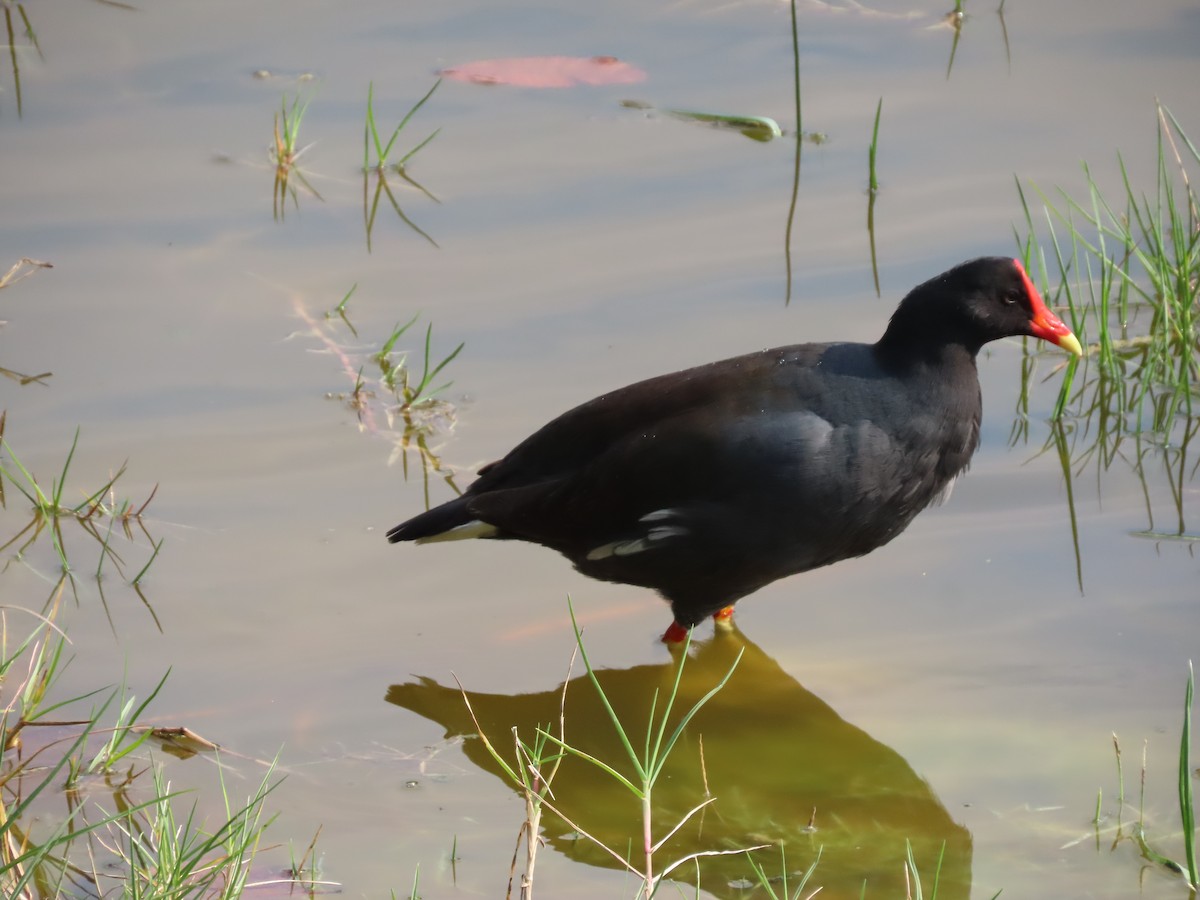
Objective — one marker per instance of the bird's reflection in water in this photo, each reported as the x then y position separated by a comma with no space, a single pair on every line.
772,753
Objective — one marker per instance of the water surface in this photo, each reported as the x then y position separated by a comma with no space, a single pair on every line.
581,246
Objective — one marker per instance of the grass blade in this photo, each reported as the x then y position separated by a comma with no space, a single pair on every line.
1187,811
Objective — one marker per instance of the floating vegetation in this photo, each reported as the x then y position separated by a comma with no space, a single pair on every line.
1128,274
387,396
765,880
295,77
758,128
22,269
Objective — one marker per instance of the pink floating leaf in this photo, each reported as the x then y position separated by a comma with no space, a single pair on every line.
547,71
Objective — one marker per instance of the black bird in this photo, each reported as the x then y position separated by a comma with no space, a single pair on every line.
708,484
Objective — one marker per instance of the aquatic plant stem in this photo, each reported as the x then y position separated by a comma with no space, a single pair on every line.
791,216
648,841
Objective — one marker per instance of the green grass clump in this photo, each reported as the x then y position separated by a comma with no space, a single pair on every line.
382,165
371,137
98,515
61,755
1130,280
287,138
399,378
1127,273
164,852
85,807
386,395
146,845
286,153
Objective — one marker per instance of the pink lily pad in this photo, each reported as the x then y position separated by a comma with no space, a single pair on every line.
547,71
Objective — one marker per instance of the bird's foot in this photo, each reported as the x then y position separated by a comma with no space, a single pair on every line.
723,619
676,634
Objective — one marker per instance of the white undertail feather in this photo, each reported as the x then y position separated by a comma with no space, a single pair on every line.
658,515
473,529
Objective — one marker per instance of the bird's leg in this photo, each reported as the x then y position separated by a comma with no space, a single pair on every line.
676,634
723,618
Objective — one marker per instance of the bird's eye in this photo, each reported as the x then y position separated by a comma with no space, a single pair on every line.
1012,299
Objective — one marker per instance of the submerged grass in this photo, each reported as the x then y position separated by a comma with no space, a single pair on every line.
766,881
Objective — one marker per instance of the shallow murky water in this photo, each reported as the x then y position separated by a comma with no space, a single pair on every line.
955,686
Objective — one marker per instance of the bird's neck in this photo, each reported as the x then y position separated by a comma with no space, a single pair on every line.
906,352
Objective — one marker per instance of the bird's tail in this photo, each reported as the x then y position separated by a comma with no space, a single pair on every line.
449,522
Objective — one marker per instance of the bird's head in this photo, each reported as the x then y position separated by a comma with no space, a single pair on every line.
976,302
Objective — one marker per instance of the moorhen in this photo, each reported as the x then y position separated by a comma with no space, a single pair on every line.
708,484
